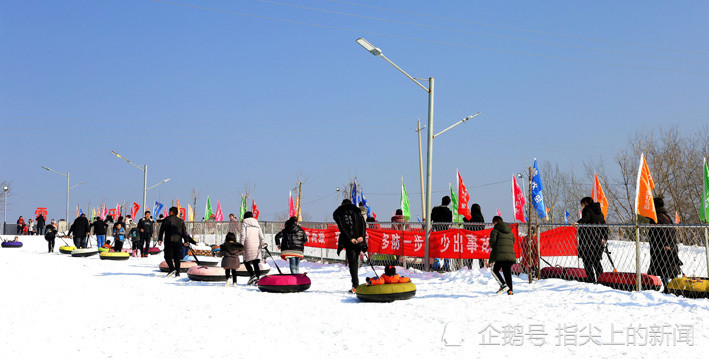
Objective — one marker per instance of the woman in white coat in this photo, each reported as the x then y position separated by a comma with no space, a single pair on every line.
253,240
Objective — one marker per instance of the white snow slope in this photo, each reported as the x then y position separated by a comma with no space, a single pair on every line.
56,306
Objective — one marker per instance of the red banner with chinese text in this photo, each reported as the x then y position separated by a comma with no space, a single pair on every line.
559,241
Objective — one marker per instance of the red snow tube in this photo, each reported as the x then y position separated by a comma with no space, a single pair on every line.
206,274
184,266
154,250
284,283
517,269
578,274
12,244
627,281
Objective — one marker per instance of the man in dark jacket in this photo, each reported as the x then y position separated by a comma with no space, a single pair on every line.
100,227
442,214
145,229
173,231
664,259
81,230
591,238
353,231
41,222
502,243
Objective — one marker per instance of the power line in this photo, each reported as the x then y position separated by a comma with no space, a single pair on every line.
480,33
432,41
523,29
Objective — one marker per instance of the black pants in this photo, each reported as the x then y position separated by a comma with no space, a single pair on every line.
593,269
50,245
40,228
117,246
145,243
506,270
173,255
252,267
231,272
352,256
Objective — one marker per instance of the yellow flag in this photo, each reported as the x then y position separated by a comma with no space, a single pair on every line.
190,213
644,204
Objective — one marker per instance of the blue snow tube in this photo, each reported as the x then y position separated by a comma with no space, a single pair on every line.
12,244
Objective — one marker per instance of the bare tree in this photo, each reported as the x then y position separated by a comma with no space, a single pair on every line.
195,198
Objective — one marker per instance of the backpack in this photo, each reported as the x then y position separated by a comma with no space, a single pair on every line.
50,235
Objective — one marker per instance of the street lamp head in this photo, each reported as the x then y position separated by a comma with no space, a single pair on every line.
519,175
5,188
369,47
116,154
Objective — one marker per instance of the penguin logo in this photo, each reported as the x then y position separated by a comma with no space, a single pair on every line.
453,334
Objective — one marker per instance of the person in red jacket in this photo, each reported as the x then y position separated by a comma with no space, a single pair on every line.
20,225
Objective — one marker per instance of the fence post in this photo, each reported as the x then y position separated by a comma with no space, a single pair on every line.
539,253
706,245
638,286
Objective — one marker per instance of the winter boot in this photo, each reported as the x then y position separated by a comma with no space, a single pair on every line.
502,289
228,282
256,279
172,273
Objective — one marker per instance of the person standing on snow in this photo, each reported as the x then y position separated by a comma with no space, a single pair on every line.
291,242
353,231
173,231
591,238
50,236
81,230
253,240
502,243
41,222
145,229
664,259
20,225
100,227
230,250
233,224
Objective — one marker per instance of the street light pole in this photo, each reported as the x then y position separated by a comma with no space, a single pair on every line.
68,188
144,168
4,212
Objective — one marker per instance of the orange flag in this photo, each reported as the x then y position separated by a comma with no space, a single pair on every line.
644,204
676,217
600,197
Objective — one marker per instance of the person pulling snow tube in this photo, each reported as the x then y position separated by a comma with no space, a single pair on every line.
284,283
66,249
12,244
206,274
114,256
386,288
184,266
689,287
154,250
84,252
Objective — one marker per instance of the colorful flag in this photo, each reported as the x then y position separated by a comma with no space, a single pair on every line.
463,199
158,208
77,211
104,212
366,204
537,196
134,210
599,196
644,204
704,206
354,194
190,213
219,216
457,218
118,211
499,214
677,217
566,217
179,207
518,201
242,207
208,210
254,209
291,206
404,201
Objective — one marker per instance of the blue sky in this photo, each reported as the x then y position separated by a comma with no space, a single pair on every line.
222,94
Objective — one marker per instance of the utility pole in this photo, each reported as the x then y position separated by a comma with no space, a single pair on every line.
423,200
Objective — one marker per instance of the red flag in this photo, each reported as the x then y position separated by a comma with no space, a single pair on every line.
518,201
463,198
134,210
291,207
498,213
254,209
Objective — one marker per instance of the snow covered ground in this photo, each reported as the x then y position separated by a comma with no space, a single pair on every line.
56,306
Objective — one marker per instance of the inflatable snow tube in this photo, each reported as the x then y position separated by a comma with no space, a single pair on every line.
689,287
184,266
114,256
102,249
204,260
386,292
264,268
12,244
206,274
284,283
84,252
285,254
558,272
154,250
66,249
627,281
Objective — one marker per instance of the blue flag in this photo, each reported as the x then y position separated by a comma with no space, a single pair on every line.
158,208
354,194
537,196
369,209
566,217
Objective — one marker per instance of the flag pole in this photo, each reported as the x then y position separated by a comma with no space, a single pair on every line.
529,225
706,215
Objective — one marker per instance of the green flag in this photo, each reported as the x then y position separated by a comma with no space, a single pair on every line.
242,208
454,202
208,210
704,207
405,207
